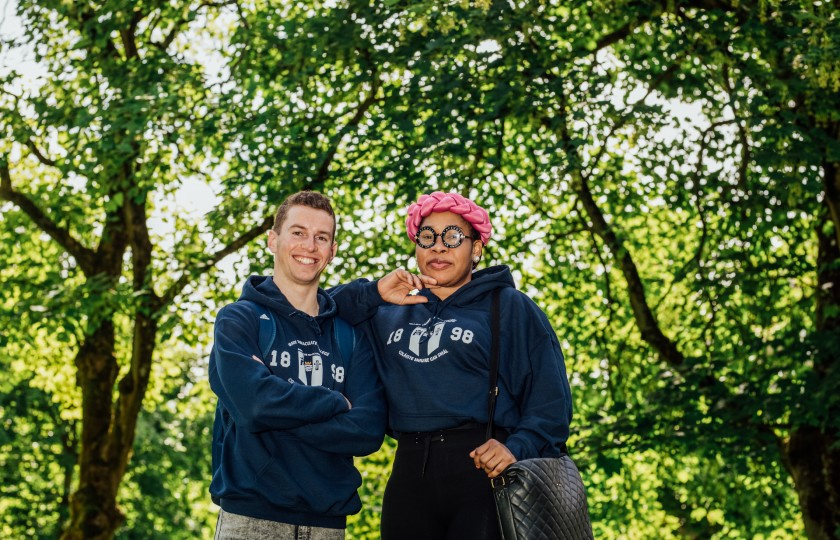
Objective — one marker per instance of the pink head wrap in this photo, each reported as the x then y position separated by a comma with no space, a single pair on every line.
448,202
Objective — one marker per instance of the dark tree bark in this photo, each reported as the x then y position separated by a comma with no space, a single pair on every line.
812,453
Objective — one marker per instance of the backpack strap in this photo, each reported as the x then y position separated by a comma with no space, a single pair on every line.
343,332
268,327
345,336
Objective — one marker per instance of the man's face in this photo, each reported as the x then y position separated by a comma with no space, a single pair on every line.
303,246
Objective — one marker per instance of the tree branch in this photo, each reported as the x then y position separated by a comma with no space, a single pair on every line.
831,187
15,112
616,35
743,136
128,36
220,4
324,169
177,26
607,280
170,37
188,275
656,83
84,18
141,245
84,256
620,33
39,155
701,245
132,387
645,319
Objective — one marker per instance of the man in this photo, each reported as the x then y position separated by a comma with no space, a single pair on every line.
298,391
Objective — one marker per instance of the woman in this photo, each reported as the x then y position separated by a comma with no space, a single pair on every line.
433,358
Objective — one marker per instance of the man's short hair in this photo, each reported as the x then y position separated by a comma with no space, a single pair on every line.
312,199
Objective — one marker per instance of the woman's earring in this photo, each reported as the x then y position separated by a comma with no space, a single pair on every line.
476,259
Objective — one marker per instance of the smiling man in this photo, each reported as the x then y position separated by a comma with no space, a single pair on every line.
298,392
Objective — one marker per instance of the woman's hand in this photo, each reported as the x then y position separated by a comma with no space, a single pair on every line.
401,287
492,457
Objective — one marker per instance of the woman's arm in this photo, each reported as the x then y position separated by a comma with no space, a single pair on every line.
358,300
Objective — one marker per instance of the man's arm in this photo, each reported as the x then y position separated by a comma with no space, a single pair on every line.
359,431
255,398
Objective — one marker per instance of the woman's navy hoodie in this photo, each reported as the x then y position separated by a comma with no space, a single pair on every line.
434,360
285,438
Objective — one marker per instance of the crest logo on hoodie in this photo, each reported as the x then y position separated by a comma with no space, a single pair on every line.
433,341
310,363
427,342
310,368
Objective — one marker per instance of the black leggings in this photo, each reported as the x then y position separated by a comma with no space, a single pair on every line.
436,493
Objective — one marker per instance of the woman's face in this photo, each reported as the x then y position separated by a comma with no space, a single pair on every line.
450,266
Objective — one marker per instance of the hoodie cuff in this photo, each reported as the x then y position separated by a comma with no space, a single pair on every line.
519,448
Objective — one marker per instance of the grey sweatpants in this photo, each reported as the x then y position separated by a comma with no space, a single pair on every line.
236,527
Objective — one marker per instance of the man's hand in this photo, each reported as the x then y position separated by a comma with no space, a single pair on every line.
492,457
401,287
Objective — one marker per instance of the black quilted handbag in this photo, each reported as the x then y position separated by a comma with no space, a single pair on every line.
541,498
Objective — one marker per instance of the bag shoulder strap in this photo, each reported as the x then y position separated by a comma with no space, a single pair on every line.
493,390
268,327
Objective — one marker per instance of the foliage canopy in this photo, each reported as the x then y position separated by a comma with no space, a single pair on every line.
663,177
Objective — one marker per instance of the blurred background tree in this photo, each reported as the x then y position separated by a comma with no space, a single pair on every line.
663,178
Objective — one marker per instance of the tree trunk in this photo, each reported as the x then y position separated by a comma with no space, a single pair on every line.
93,509
107,431
812,454
813,459
110,418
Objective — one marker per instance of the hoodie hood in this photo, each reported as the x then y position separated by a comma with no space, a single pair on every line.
263,291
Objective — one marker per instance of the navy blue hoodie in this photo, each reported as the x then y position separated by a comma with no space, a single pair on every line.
289,434
434,360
